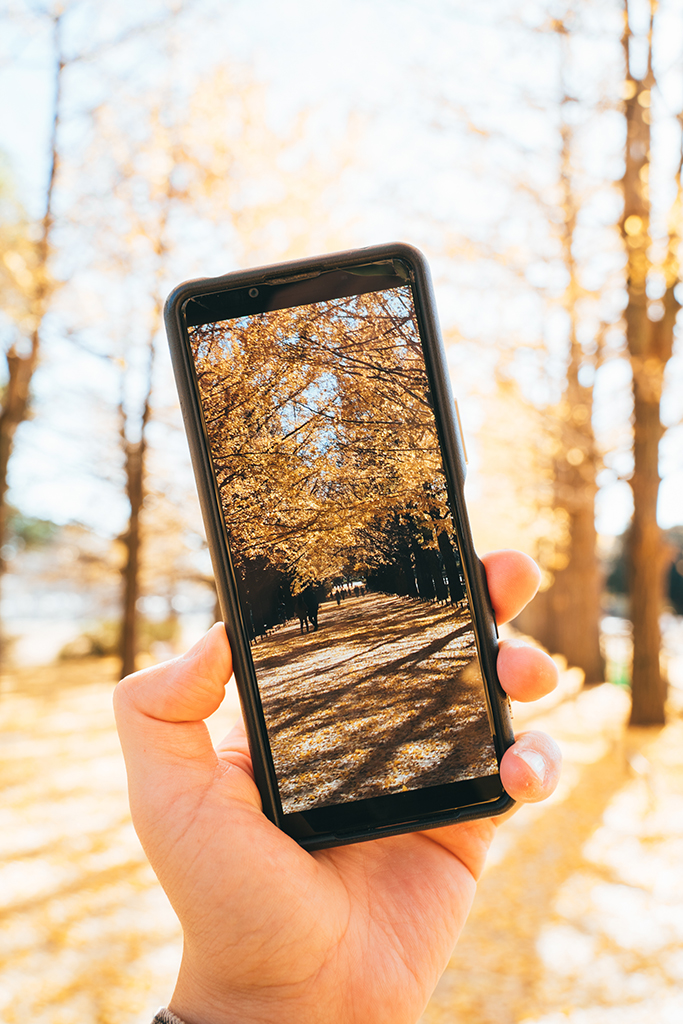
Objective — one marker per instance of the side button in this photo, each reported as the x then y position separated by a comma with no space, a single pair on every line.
462,433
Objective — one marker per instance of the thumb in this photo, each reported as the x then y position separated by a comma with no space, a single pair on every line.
160,711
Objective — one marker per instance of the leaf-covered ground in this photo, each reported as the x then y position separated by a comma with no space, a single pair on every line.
579,917
384,697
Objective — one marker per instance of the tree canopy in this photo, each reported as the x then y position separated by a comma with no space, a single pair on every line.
321,431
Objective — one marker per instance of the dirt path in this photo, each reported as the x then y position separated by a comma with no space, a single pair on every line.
384,697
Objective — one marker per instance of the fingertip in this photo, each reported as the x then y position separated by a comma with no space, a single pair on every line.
526,673
530,769
211,652
513,578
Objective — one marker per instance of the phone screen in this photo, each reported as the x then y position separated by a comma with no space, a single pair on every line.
320,425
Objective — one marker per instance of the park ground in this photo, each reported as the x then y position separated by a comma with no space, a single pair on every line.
578,919
385,696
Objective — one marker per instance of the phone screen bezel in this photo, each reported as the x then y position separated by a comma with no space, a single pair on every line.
305,282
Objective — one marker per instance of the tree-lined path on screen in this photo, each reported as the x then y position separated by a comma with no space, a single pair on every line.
385,696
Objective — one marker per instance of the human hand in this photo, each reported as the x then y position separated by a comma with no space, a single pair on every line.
272,933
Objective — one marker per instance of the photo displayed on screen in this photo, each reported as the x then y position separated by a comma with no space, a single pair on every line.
325,450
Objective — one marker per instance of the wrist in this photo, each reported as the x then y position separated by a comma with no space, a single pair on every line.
194,1002
198,1011
207,993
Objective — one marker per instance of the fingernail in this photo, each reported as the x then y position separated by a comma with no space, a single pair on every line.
535,761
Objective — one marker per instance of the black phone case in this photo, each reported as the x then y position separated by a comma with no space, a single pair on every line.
455,468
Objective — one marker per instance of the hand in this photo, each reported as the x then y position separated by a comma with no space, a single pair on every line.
271,933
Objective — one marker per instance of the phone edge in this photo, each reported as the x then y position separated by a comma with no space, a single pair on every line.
453,450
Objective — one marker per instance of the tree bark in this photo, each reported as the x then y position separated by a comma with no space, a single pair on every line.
566,617
569,611
134,467
14,412
646,558
650,346
21,364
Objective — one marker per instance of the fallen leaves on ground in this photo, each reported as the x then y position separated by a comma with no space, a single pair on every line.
578,919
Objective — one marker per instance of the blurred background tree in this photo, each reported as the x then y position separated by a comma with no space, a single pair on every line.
177,148
566,614
32,273
651,229
32,281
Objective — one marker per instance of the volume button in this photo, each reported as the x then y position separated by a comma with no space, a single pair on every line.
462,433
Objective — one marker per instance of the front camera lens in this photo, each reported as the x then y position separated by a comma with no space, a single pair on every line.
253,293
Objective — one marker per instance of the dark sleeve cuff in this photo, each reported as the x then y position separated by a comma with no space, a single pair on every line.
166,1017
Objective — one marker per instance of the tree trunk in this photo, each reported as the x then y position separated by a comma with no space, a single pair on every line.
21,365
646,557
566,617
650,345
134,467
14,411
571,606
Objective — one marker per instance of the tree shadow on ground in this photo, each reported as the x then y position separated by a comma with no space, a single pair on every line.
386,696
495,974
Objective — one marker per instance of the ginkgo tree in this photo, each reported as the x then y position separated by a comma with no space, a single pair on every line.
323,437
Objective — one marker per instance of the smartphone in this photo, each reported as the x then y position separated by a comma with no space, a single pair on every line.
330,471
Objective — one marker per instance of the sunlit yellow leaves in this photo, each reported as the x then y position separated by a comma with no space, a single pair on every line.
320,429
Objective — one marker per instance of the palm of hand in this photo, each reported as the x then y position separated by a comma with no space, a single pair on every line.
291,928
